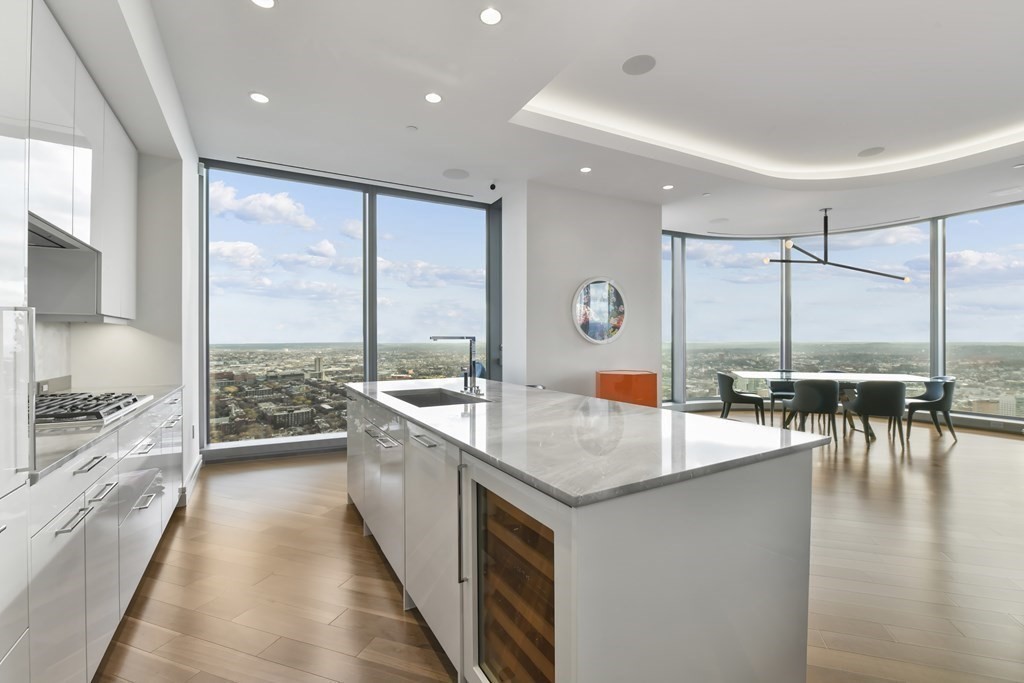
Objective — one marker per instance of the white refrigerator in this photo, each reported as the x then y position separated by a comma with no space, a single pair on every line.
17,396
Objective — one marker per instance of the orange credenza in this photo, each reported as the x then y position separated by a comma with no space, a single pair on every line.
628,386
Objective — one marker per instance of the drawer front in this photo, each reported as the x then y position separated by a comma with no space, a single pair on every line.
13,568
57,597
138,429
136,472
102,587
52,493
139,534
15,666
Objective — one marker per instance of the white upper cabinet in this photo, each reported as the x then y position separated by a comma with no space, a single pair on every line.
115,226
15,31
88,153
52,121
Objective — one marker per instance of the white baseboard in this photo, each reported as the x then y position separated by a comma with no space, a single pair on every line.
189,483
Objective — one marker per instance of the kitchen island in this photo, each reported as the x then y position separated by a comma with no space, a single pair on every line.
548,536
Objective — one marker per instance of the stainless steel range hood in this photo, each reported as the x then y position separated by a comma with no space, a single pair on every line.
42,233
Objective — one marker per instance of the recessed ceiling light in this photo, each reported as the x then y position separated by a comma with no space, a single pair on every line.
490,16
668,187
432,97
706,194
871,152
1019,166
265,4
259,97
586,169
456,174
638,65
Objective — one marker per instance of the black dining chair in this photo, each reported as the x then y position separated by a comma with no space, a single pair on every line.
812,397
779,389
729,396
943,404
847,391
880,399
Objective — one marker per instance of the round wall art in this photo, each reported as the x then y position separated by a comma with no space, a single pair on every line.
599,310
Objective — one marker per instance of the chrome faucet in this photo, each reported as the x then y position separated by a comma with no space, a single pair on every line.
471,387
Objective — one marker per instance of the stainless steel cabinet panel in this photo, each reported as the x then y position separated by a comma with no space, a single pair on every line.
51,493
432,535
57,598
13,567
102,586
139,534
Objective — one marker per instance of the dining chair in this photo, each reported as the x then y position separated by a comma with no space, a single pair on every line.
881,399
812,397
729,396
779,389
943,404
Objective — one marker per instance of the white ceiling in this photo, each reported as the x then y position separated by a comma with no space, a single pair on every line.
763,105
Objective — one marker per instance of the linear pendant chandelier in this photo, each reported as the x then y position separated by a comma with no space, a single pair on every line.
823,260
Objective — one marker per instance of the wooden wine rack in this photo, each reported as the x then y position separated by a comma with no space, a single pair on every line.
517,593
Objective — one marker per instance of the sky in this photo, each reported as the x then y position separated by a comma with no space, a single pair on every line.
286,264
733,297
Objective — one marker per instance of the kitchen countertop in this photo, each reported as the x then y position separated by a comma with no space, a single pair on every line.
56,446
581,450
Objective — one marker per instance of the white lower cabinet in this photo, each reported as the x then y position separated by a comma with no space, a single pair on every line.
13,569
356,451
139,534
15,667
390,529
102,587
57,597
432,535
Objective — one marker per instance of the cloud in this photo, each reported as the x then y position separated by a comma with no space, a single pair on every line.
323,248
421,274
352,229
263,286
721,254
349,265
889,237
263,208
241,254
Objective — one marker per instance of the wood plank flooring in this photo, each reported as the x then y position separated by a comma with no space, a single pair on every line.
917,575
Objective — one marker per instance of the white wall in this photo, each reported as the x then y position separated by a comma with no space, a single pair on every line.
53,350
571,236
514,319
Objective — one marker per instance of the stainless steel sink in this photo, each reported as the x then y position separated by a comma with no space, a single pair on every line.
432,398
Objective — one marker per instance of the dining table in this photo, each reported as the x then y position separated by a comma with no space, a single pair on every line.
794,375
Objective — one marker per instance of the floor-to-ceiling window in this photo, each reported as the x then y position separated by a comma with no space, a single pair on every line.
732,311
431,278
666,317
985,310
847,320
287,296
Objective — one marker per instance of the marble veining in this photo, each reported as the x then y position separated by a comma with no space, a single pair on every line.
581,450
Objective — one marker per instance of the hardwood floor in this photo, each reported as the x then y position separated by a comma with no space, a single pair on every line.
917,575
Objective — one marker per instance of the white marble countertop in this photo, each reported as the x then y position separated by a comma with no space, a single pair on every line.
56,445
581,450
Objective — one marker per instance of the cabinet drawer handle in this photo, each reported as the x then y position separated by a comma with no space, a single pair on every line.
107,488
387,442
424,440
171,422
91,465
143,448
74,521
149,502
3,528
370,433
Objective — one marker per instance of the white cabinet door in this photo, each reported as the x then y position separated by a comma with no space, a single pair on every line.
15,33
102,589
390,529
88,154
119,200
432,535
356,452
170,464
57,598
52,121
15,666
139,534
13,568
371,477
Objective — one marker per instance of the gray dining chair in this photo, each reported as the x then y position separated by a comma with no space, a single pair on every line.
879,399
812,397
779,389
729,396
943,404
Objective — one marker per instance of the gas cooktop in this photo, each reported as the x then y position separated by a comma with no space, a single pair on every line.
83,408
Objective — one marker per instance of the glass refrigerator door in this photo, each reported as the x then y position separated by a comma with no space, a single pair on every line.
17,395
